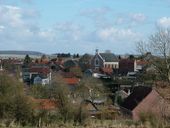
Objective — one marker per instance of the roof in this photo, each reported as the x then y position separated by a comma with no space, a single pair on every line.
107,70
70,63
126,61
109,57
138,94
43,62
67,74
141,62
12,61
40,69
71,81
123,94
45,104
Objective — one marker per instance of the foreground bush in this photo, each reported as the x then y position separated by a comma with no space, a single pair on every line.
152,121
14,105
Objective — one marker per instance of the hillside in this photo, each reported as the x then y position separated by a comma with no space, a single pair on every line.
21,52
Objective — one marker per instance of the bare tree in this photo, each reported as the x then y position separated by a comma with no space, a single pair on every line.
141,47
159,45
90,88
60,93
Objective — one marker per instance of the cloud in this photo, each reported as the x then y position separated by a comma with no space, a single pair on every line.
164,22
10,15
93,12
16,1
19,30
99,16
114,34
138,17
26,1
118,40
1,28
120,20
16,17
130,19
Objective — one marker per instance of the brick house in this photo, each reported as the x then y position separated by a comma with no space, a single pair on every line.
144,100
125,66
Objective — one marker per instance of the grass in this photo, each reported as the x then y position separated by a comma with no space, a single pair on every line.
97,124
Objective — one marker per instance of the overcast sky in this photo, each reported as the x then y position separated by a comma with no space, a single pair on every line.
79,26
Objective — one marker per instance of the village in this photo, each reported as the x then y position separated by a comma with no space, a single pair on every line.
110,86
84,64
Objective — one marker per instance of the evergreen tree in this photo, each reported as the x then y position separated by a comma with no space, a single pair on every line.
27,60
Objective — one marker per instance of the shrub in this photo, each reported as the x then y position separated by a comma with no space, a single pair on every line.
151,120
14,105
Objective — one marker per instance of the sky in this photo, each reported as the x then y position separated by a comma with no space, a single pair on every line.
80,26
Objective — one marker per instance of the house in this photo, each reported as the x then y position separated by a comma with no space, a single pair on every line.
66,74
43,80
71,82
70,63
120,96
39,75
25,74
1,68
132,75
100,110
44,104
144,100
107,71
104,60
139,65
88,72
125,66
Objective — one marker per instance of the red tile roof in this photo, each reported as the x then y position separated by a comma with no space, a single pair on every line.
44,62
71,81
107,70
45,104
67,74
39,69
141,62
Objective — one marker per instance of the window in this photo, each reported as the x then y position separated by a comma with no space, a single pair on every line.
96,62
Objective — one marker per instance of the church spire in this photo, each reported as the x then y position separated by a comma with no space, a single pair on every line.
97,51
